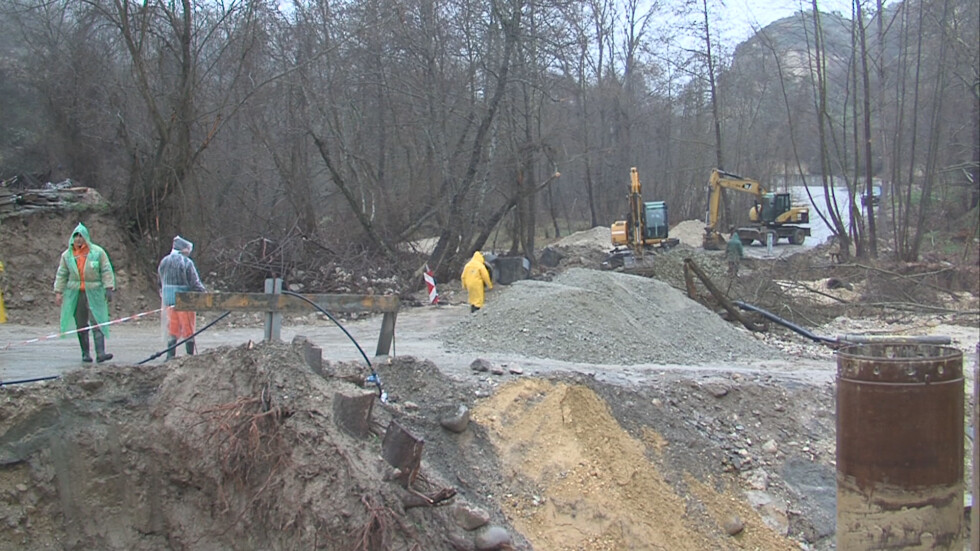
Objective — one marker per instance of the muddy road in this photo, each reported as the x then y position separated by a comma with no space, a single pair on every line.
418,332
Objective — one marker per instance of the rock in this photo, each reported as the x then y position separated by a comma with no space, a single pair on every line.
492,537
717,387
496,370
458,421
734,525
480,365
469,517
90,385
515,370
770,447
757,479
550,257
459,542
771,509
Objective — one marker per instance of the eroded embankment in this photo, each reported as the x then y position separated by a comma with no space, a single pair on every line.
582,482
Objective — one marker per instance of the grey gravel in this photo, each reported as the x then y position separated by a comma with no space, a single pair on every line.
602,317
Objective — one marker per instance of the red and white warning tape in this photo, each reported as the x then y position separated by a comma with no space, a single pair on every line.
72,332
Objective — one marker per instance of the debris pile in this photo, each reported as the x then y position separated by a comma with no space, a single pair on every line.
53,197
597,317
237,448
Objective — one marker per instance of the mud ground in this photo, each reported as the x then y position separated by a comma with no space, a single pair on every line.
239,447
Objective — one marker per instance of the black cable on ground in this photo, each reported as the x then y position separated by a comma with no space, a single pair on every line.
374,378
34,380
788,324
196,333
157,355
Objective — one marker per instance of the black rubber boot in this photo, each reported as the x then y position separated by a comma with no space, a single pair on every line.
100,354
83,342
189,347
171,348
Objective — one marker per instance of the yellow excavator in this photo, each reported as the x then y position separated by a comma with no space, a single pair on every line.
773,214
645,227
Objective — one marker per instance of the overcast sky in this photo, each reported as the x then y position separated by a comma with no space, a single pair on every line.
742,15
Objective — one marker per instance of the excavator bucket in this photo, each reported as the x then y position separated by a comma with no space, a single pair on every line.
713,241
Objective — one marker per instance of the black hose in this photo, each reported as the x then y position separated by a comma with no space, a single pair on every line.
175,345
374,378
34,380
788,324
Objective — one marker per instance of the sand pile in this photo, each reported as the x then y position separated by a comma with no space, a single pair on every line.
599,317
690,232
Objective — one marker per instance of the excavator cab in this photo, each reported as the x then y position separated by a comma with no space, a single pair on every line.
655,220
771,208
772,205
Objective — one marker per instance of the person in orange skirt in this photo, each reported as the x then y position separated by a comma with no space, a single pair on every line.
178,274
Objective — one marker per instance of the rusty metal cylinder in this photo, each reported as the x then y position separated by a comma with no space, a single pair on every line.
899,447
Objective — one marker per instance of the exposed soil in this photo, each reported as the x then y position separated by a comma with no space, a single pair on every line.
615,413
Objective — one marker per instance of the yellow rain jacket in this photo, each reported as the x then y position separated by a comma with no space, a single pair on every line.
3,309
475,276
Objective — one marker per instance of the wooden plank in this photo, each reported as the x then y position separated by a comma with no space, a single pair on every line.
352,412
402,450
261,302
387,333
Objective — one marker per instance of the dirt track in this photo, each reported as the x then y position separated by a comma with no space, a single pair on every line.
418,332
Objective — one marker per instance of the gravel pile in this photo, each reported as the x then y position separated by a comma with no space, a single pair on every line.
599,317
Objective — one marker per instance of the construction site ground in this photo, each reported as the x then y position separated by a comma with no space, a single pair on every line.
606,411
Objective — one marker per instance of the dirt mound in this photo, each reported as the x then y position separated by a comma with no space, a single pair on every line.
239,448
576,466
602,317
234,449
584,248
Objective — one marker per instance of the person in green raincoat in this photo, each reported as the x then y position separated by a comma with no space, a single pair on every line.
83,288
475,277
734,252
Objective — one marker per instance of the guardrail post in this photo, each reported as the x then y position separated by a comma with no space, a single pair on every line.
273,320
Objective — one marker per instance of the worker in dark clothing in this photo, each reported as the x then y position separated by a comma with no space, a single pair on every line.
178,274
734,253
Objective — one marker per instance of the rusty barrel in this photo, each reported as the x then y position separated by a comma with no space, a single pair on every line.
899,447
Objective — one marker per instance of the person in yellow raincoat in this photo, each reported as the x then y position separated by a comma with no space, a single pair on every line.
475,277
3,309
83,287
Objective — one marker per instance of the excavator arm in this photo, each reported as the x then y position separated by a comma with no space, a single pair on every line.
636,222
719,181
725,180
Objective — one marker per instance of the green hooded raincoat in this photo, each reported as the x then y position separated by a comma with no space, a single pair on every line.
98,278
